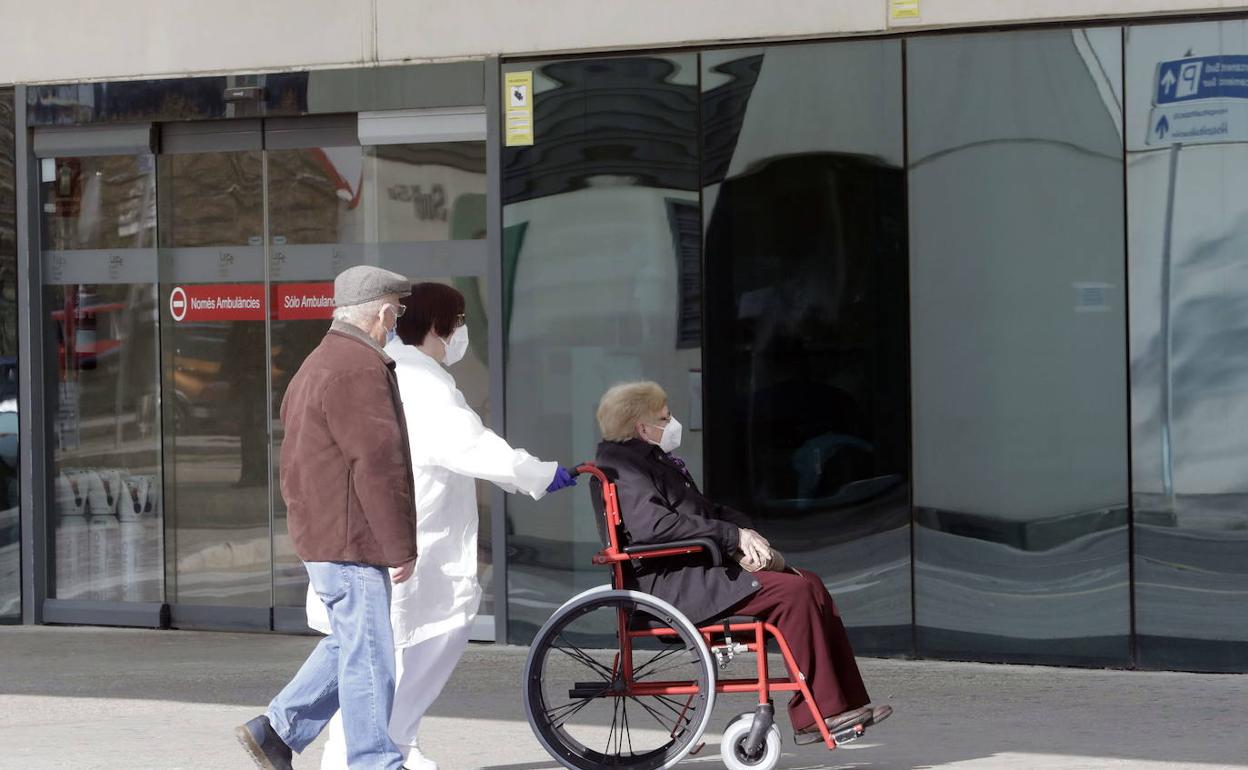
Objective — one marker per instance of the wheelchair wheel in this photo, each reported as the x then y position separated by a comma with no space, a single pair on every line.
732,746
588,713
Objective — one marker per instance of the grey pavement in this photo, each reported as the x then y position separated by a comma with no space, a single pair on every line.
113,699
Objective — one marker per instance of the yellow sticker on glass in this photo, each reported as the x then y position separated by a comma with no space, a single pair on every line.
518,108
905,10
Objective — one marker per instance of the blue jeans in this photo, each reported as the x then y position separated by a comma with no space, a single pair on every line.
352,669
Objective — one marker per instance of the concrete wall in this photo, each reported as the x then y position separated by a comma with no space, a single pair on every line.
111,39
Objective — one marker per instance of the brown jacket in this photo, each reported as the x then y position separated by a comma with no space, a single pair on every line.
345,466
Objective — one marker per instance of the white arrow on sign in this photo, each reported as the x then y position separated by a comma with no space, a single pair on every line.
177,303
1168,81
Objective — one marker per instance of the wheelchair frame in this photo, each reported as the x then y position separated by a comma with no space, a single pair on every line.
757,631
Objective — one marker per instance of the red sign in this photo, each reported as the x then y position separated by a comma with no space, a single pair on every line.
245,302
217,302
303,301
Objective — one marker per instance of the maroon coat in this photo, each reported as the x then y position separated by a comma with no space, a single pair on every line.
346,470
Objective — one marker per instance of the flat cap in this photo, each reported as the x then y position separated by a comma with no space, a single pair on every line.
364,283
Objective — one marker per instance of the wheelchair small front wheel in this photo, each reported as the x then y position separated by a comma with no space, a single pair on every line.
732,747
590,709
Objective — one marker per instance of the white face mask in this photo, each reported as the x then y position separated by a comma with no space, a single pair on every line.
456,346
670,439
391,336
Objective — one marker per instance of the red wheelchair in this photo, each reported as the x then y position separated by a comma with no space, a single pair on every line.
620,678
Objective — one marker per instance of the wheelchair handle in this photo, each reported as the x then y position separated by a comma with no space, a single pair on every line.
590,469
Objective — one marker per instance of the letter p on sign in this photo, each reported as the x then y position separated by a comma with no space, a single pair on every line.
1189,79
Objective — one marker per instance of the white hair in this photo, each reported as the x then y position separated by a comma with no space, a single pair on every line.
625,405
362,315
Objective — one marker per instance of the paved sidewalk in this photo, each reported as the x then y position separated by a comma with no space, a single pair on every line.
122,699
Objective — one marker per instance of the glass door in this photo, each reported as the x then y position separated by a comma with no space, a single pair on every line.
215,384
427,220
315,228
416,207
100,331
184,290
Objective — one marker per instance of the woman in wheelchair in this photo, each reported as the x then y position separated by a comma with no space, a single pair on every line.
659,503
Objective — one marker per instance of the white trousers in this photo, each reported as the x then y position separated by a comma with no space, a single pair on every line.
422,670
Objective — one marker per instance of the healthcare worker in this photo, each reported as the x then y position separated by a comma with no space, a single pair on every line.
432,613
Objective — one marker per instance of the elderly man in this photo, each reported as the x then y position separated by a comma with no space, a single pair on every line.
347,481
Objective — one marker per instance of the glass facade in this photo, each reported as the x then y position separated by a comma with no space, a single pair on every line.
956,318
1189,366
807,407
601,272
10,513
907,302
1018,346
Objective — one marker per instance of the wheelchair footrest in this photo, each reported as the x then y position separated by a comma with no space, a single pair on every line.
844,735
847,734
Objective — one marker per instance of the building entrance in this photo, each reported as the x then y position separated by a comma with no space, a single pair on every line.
183,288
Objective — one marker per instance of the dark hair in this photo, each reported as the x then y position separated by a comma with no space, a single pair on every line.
433,306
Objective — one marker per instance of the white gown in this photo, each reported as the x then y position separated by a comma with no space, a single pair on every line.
451,448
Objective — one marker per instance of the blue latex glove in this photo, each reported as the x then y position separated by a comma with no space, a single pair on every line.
563,479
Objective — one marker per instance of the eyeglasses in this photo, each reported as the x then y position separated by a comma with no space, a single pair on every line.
399,310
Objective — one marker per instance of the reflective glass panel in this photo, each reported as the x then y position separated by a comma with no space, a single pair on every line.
602,281
1186,161
1018,346
102,347
334,207
10,514
215,382
314,218
433,194
426,192
807,404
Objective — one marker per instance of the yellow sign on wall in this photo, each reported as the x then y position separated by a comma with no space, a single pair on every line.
518,107
905,10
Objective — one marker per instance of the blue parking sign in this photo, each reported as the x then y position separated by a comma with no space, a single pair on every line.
1202,77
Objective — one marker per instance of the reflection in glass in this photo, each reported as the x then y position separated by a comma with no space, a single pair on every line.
427,192
99,228
1189,362
215,385
807,368
10,540
1016,235
601,284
